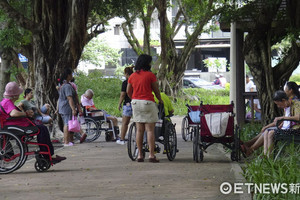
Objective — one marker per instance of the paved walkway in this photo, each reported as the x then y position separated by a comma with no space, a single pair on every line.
103,170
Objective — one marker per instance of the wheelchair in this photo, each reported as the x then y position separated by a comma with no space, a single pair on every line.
165,134
212,121
190,123
14,151
93,126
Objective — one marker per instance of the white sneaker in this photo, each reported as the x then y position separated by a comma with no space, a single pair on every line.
68,145
122,142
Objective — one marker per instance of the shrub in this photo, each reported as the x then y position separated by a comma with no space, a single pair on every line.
284,170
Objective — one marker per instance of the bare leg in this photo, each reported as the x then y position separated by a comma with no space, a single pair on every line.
270,142
66,135
139,138
125,122
113,119
151,138
266,141
258,143
252,141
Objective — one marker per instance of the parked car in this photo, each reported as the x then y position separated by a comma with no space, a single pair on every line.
193,82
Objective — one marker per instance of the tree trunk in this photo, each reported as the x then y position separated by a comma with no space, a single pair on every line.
174,64
6,64
58,45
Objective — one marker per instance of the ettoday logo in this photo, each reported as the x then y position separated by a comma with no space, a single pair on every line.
261,188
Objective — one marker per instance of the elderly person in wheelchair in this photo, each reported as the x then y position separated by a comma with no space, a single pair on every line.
88,103
12,116
266,137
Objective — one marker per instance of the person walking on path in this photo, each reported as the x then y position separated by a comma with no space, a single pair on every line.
67,105
127,109
145,111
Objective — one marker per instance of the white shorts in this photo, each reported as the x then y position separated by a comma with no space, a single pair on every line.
144,111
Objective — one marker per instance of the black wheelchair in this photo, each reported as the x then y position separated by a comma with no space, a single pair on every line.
93,126
14,151
165,134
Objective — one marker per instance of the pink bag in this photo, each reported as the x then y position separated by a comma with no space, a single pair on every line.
73,125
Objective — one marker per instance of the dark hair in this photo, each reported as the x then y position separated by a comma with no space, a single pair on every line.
128,70
294,87
280,95
27,91
65,74
143,63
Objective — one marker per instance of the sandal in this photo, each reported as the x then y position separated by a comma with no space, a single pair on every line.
140,159
153,160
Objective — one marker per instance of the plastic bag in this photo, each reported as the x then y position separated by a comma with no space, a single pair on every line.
73,125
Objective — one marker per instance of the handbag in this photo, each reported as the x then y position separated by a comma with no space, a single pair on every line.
73,125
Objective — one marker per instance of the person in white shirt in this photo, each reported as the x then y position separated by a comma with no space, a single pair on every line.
223,80
249,85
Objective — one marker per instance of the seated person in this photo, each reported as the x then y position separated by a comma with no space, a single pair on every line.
8,109
88,103
40,115
291,111
217,80
168,107
292,90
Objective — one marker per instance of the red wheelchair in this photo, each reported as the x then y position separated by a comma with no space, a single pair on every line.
216,126
14,151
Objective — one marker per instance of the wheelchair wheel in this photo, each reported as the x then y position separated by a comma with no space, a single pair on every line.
41,164
25,147
170,140
235,154
91,128
11,152
131,144
185,129
198,152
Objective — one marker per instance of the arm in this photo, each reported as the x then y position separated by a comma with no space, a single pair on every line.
256,108
21,106
122,97
16,113
155,89
78,105
72,105
268,126
129,90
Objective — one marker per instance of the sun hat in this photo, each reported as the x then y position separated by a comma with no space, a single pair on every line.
12,89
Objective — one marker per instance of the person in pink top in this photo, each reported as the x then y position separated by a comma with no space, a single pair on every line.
88,103
8,109
145,111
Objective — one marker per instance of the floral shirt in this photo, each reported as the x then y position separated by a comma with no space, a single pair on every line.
295,110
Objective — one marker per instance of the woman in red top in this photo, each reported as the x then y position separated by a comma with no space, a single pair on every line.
145,112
